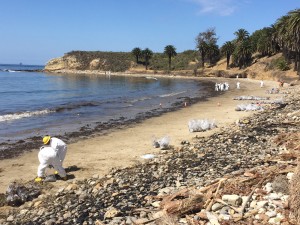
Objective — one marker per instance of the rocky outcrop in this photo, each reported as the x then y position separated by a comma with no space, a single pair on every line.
91,61
69,62
94,64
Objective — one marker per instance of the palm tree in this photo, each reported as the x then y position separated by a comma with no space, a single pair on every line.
147,53
243,54
281,35
203,49
137,52
293,30
241,35
227,49
243,49
262,41
170,51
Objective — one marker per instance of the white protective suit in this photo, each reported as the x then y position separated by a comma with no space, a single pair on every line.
59,147
48,156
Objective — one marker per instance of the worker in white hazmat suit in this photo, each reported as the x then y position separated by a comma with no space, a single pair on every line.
60,149
58,145
48,157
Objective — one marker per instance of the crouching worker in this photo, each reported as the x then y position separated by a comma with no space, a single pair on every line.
58,145
48,157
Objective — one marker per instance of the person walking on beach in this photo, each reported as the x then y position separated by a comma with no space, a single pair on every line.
238,85
261,83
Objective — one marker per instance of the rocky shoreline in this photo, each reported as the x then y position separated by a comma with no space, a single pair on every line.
134,195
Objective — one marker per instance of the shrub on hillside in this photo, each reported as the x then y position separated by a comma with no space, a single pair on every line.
113,61
279,63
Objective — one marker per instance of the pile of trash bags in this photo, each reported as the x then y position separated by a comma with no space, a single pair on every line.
18,194
273,91
197,125
248,107
162,143
244,97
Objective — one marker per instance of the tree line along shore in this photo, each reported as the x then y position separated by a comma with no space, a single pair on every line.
244,50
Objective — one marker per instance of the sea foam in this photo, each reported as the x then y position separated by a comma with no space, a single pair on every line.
16,116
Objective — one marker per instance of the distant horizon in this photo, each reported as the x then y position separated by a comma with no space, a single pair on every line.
19,64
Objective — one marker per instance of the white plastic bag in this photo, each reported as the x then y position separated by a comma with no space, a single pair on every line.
248,107
162,143
201,125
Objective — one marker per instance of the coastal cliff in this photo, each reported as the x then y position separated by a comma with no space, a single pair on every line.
82,60
185,65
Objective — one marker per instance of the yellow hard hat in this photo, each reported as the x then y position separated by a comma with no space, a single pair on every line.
46,139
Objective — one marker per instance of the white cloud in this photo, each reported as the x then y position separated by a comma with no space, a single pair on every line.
220,7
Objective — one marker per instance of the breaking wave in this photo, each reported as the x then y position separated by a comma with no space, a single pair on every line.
172,94
17,116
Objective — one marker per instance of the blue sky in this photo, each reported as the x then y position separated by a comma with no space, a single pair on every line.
34,31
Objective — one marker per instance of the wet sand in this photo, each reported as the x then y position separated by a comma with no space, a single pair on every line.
98,154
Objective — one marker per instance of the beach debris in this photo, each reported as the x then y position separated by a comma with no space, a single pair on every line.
273,91
197,125
245,97
50,178
162,143
17,194
249,161
248,107
148,156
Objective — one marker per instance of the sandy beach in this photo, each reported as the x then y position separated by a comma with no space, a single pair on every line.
97,155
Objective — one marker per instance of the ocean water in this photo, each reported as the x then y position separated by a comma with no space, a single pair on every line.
38,103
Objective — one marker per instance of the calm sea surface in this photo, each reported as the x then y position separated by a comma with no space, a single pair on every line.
37,103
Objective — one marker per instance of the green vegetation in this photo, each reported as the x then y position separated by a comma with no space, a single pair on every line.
147,54
283,36
207,45
113,61
242,55
137,52
279,63
227,49
170,51
121,61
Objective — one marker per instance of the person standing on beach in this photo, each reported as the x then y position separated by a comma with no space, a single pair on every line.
238,85
261,83
216,87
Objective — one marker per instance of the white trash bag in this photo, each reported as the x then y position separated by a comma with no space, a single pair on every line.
248,107
162,143
243,97
201,125
148,156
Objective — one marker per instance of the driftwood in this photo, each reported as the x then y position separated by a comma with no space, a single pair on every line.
209,205
181,207
225,203
184,193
